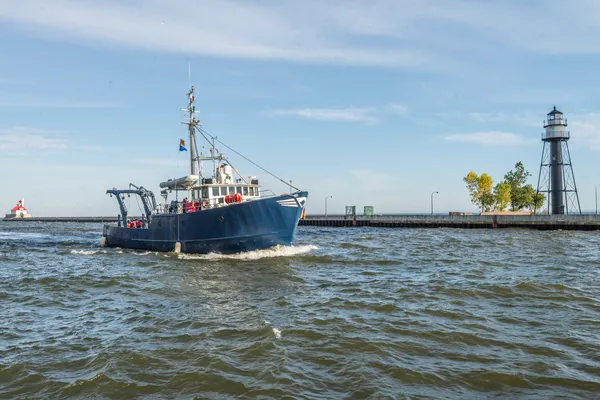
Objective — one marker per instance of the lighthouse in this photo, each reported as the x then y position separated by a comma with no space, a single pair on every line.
18,211
556,177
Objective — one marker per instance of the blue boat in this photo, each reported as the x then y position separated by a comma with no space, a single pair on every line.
221,213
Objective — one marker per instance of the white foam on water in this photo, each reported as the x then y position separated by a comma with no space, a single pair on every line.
92,252
277,333
85,252
145,253
277,251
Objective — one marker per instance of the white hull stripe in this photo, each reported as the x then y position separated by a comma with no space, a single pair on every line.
292,202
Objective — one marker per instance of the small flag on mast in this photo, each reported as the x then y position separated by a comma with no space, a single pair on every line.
182,145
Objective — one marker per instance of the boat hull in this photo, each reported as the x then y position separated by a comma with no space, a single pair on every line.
235,228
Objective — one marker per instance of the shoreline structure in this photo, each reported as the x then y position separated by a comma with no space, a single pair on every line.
584,222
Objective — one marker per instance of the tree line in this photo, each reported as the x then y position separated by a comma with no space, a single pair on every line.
511,192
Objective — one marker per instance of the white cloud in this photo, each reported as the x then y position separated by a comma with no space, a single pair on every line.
285,31
492,138
528,119
331,114
21,138
353,114
585,128
384,33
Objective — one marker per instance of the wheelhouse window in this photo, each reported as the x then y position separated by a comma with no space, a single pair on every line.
221,201
251,191
231,190
205,193
245,190
223,190
215,191
239,190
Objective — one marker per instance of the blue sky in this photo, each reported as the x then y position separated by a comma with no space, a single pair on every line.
374,103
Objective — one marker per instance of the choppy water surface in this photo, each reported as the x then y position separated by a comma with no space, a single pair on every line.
344,313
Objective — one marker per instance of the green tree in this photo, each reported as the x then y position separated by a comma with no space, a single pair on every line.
519,196
472,181
512,192
531,198
486,185
528,194
480,190
538,201
518,176
501,196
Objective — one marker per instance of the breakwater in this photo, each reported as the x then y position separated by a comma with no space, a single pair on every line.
541,222
584,222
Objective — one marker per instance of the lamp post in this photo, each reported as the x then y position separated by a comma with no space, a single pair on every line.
432,193
596,189
328,197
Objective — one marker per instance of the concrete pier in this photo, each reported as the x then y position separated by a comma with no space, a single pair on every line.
584,222
542,222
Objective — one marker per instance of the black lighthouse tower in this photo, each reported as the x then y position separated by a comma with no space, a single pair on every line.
556,177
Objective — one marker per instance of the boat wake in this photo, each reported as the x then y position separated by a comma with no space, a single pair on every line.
93,252
277,251
84,252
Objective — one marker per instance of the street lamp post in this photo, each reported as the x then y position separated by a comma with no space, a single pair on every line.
328,197
432,193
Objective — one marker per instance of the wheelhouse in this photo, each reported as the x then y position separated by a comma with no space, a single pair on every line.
213,195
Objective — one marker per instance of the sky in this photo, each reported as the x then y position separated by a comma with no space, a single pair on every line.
376,103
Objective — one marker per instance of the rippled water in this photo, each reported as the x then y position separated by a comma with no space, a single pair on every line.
344,313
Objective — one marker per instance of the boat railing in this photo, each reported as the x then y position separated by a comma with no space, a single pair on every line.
263,193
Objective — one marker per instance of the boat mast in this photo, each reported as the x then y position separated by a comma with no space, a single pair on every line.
191,127
191,109
194,124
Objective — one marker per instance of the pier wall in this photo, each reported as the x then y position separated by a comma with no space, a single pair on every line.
544,222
